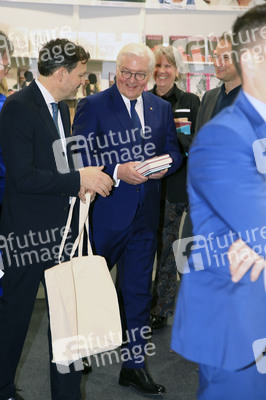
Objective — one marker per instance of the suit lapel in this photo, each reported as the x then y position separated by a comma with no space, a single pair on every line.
44,112
149,110
119,108
211,104
65,118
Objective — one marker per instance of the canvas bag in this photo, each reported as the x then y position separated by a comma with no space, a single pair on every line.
83,304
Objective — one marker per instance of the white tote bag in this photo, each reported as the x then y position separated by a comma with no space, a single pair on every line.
83,305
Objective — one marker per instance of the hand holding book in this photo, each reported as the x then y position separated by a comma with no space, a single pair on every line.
154,165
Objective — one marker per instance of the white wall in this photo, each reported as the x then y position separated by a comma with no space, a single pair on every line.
47,19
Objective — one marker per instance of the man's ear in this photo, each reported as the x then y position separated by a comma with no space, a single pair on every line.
60,73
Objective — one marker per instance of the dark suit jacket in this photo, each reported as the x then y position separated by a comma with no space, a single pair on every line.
37,196
207,105
216,320
104,120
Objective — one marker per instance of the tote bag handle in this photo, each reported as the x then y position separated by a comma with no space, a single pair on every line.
83,221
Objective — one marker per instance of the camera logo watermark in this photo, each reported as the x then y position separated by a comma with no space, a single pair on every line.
199,252
110,148
71,350
183,248
33,247
259,350
259,150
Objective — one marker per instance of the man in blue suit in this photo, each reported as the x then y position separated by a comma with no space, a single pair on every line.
220,319
124,125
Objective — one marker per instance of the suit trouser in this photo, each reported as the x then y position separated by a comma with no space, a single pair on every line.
219,384
20,286
135,249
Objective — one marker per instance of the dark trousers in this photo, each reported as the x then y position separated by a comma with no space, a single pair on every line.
20,285
135,249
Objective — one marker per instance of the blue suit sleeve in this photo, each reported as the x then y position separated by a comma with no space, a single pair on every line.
225,184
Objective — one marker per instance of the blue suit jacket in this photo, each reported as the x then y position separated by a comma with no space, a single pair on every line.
105,122
216,320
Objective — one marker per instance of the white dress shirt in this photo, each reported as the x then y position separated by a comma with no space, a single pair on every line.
140,111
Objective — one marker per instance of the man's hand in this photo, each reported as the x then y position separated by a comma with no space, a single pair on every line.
127,173
242,258
82,194
94,180
158,175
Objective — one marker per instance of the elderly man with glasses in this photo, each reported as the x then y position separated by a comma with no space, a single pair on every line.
123,126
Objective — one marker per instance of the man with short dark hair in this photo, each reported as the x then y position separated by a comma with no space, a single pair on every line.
36,200
215,100
220,319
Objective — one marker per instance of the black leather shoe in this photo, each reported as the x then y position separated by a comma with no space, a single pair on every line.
86,366
140,379
158,322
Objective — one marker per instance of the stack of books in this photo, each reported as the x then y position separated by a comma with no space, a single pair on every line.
154,164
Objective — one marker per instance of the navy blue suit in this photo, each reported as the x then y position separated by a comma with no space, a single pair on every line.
124,224
216,320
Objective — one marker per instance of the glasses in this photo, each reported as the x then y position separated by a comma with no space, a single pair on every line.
6,68
139,76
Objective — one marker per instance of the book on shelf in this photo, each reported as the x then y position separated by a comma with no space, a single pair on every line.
152,41
154,164
180,43
196,49
212,42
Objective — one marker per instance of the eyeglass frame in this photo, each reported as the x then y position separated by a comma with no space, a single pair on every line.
134,73
7,67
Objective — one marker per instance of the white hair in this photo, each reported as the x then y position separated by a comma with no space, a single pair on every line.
139,50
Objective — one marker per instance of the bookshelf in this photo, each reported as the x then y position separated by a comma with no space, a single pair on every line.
105,25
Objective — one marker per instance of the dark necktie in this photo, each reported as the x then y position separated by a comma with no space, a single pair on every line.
137,124
55,116
136,121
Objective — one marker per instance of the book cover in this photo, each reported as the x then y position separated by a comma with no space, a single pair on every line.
212,43
152,41
180,43
154,164
196,49
183,127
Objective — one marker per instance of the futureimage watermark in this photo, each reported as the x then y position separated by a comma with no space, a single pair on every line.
72,349
201,252
110,148
33,247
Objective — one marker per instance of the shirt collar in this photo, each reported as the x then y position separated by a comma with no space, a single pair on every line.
232,92
46,94
127,101
259,106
